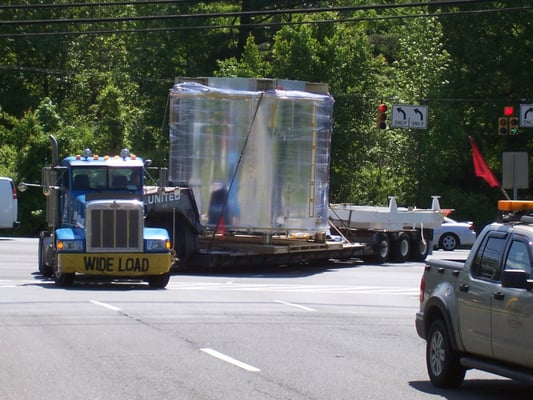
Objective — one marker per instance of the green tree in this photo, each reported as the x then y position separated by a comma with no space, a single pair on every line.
490,58
252,63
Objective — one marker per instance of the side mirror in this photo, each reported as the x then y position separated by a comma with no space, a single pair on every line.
22,187
516,278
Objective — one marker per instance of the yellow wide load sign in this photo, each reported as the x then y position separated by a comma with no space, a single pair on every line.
119,264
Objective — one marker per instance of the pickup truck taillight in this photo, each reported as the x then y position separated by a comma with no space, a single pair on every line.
422,288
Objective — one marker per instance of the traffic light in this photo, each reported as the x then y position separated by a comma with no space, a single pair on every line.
382,116
513,125
509,124
503,126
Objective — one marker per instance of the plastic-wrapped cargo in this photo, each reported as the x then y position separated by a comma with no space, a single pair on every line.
257,160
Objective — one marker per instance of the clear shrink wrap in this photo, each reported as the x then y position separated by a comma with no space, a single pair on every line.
257,161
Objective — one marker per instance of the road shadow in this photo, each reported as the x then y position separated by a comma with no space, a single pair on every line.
266,270
482,389
295,270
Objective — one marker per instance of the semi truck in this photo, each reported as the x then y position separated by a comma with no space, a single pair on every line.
95,216
247,182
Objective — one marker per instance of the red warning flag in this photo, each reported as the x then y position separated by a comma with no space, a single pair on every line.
481,168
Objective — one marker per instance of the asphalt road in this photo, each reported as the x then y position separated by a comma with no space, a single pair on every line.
341,331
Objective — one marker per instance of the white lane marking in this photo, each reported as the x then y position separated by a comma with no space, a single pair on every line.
98,303
294,305
12,283
230,360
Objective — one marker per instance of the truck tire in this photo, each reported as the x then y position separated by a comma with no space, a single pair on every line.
159,281
46,270
63,280
443,365
381,247
401,248
419,249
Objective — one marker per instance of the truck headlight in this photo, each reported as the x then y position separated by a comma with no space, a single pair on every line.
70,245
157,245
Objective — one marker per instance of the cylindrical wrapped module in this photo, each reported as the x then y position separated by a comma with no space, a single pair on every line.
257,161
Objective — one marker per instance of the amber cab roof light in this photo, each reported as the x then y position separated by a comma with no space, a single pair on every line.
515,205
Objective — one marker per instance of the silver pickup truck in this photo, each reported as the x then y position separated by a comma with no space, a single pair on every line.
479,314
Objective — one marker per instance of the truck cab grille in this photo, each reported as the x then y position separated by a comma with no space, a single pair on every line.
115,226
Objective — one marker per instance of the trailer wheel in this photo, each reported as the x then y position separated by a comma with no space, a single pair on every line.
419,249
444,367
159,281
381,245
401,248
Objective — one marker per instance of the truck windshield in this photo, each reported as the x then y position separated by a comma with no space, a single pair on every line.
105,178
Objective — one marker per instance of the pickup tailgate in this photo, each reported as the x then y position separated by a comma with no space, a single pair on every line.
437,283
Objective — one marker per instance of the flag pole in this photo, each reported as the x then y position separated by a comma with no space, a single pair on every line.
504,193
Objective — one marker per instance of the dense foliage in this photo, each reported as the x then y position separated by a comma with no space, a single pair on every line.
97,75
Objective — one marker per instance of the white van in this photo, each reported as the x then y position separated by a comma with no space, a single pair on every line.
8,204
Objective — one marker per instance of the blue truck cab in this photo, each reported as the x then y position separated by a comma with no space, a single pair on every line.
95,213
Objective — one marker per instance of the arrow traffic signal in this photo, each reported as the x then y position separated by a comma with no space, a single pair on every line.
509,124
513,125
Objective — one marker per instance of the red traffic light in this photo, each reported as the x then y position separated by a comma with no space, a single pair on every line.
508,111
382,116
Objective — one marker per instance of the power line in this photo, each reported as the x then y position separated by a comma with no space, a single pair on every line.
255,13
168,81
264,24
66,73
96,4
150,2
